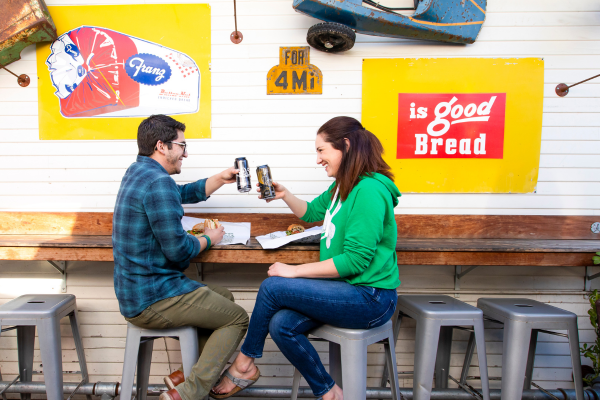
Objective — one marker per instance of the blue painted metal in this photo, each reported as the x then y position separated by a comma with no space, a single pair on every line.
454,21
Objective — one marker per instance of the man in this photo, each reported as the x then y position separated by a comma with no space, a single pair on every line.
151,251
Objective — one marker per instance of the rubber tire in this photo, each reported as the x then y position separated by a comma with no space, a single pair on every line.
342,37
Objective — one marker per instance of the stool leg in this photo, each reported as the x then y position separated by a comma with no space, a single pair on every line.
442,359
25,344
384,376
335,364
51,350
514,359
575,357
530,359
296,384
79,348
390,358
426,340
481,355
468,358
188,340
143,369
132,347
354,372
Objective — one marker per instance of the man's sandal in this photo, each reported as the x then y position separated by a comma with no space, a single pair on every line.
240,384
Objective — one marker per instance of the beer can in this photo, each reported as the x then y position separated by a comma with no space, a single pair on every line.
242,177
267,190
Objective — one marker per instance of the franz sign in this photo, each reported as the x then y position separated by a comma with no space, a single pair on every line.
451,125
457,125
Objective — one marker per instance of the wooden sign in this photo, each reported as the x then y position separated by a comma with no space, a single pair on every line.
294,74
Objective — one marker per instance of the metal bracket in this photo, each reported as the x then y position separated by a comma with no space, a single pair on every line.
588,278
61,266
200,271
459,274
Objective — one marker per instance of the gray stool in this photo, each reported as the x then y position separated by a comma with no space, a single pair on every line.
138,350
436,316
348,358
43,311
523,319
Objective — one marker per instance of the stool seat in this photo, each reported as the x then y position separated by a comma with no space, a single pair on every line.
437,307
36,306
44,312
348,358
525,310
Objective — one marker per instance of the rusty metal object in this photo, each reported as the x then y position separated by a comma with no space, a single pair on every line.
23,80
562,89
22,23
236,36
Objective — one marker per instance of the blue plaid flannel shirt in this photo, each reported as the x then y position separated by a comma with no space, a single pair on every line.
150,247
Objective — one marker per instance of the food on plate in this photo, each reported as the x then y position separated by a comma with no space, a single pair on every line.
293,229
198,229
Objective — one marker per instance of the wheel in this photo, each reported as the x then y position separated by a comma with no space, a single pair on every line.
331,37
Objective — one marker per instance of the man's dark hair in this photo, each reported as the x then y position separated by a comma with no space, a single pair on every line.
155,128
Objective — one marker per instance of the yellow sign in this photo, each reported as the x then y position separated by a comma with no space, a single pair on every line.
113,66
294,74
461,125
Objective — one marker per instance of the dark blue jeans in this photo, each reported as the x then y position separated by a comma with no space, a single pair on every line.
286,308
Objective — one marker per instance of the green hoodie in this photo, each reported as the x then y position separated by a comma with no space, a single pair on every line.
362,240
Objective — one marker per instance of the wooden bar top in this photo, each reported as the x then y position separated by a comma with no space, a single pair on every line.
403,244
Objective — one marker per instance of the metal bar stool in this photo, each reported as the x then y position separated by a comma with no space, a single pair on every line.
44,311
436,316
523,319
348,358
138,350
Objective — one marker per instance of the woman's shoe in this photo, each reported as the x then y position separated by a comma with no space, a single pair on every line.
240,384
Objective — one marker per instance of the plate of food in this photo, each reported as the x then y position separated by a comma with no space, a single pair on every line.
295,233
295,229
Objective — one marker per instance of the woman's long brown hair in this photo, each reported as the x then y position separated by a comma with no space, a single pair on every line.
362,158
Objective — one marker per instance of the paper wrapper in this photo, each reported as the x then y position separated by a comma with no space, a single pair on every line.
278,239
235,233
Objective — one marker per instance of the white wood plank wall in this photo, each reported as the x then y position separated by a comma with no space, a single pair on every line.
279,131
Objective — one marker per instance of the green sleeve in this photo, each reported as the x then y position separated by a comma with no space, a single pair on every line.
364,230
315,210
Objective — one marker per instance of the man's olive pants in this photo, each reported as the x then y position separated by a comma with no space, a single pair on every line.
221,326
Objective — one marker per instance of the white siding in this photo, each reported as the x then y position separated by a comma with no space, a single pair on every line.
279,131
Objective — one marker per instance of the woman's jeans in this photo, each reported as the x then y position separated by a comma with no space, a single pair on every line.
286,308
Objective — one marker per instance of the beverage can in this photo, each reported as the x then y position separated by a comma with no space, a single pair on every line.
242,177
265,180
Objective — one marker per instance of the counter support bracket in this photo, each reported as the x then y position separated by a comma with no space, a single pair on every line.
458,274
588,278
61,266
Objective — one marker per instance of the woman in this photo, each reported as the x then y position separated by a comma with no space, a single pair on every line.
354,284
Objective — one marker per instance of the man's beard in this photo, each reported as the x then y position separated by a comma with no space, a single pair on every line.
172,160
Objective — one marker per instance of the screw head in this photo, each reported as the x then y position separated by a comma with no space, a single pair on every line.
328,45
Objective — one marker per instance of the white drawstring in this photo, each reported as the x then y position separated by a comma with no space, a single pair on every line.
328,227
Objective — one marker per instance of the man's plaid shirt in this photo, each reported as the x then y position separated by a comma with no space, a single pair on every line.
150,247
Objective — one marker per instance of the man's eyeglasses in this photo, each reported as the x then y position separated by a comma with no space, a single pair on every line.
182,144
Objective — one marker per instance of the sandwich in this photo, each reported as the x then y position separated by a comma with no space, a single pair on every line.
293,229
211,223
198,229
